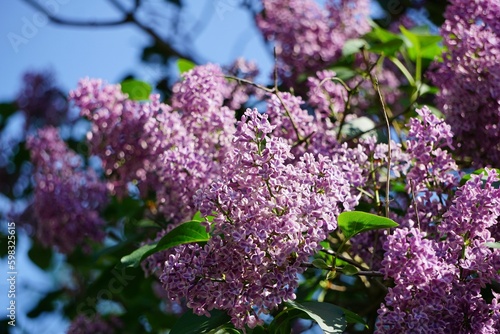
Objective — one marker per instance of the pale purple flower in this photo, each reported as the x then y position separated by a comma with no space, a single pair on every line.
270,216
68,196
40,100
469,78
307,37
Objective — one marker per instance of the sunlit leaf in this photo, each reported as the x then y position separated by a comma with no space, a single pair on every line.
355,222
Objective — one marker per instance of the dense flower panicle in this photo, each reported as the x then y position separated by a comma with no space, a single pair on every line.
290,121
96,325
327,96
270,217
199,97
68,197
473,215
119,133
170,152
349,17
307,36
438,279
40,101
432,175
469,78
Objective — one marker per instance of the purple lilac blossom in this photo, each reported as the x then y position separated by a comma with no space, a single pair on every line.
40,101
327,96
240,93
199,98
308,37
469,78
432,172
118,134
270,217
170,152
438,278
68,197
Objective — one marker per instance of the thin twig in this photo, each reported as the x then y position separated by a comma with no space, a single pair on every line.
382,124
415,202
128,17
350,94
61,21
376,86
251,83
372,273
343,258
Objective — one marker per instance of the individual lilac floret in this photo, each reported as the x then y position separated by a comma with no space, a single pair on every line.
68,197
40,101
469,78
270,216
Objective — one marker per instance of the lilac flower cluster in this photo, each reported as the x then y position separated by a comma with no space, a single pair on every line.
40,101
118,133
438,278
172,153
270,216
431,174
307,36
314,133
199,97
96,325
469,78
328,97
68,197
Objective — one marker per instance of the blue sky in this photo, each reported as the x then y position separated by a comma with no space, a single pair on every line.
29,42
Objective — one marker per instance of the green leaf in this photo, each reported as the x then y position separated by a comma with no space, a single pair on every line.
185,65
343,73
136,90
353,46
412,43
136,257
320,264
493,245
191,323
421,43
349,270
353,318
329,317
199,217
186,233
381,35
189,232
387,48
355,222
